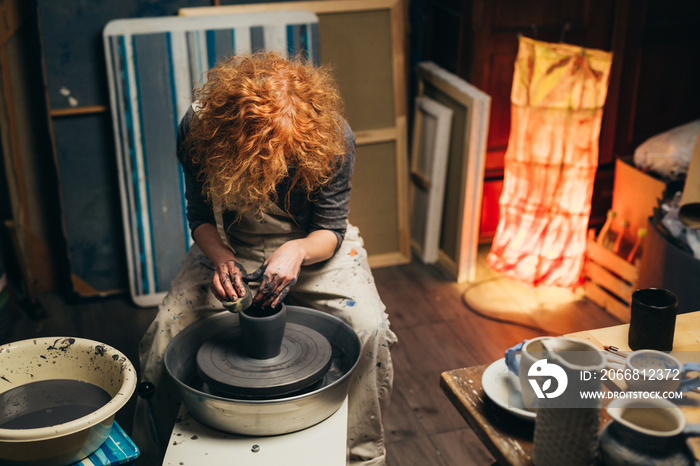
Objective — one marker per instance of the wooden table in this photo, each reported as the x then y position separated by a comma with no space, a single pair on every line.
508,437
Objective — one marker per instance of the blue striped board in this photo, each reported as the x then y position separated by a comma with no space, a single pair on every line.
152,66
118,448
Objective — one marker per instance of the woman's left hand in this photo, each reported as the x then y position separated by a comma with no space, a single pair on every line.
279,273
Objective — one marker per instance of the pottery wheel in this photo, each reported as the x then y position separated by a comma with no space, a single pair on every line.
304,359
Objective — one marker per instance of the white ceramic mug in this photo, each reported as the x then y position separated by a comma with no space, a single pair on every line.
570,353
529,351
642,429
656,371
655,417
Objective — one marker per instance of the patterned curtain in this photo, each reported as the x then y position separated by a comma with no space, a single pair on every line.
557,107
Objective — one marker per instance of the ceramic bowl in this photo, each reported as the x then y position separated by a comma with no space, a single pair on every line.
656,371
63,358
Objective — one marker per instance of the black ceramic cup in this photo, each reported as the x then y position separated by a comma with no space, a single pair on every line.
263,330
652,319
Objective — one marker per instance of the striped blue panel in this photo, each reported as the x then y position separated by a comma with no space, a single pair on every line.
211,48
153,65
129,160
118,448
298,40
257,38
219,45
181,177
158,136
315,54
194,46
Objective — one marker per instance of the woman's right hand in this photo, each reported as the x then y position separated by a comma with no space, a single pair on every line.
227,282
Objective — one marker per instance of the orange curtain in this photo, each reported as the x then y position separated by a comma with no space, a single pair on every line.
557,107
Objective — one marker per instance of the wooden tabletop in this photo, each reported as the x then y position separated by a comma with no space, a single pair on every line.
509,438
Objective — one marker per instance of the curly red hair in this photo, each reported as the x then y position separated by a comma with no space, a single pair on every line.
257,116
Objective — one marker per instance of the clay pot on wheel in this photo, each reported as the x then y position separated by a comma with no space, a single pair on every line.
263,330
268,415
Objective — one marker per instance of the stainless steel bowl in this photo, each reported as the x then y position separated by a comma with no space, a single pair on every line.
263,417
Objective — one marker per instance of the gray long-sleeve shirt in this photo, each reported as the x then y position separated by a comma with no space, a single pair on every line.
327,210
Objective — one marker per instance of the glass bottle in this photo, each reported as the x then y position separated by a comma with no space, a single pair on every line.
606,237
635,253
618,246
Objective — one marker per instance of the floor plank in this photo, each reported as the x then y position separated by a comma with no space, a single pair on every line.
429,405
461,447
401,422
417,295
488,340
423,353
414,452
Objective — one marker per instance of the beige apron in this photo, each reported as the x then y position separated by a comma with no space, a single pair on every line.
343,286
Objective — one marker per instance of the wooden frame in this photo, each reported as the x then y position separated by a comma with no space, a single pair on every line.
609,280
363,42
21,128
459,235
430,147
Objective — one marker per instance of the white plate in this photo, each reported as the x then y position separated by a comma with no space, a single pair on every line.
497,387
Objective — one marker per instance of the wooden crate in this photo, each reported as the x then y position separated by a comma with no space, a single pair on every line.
635,194
609,280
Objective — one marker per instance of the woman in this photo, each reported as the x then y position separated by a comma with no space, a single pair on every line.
268,159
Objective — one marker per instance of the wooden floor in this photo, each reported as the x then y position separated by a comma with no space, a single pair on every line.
437,331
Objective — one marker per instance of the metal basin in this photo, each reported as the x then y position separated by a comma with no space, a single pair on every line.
264,417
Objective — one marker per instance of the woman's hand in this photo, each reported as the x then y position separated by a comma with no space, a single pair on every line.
279,273
227,282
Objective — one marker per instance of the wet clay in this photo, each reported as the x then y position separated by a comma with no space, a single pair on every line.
263,330
49,402
256,310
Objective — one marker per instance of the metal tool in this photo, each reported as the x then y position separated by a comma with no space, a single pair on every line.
617,351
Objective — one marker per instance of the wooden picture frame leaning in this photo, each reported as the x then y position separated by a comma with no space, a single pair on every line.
363,43
459,233
430,147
